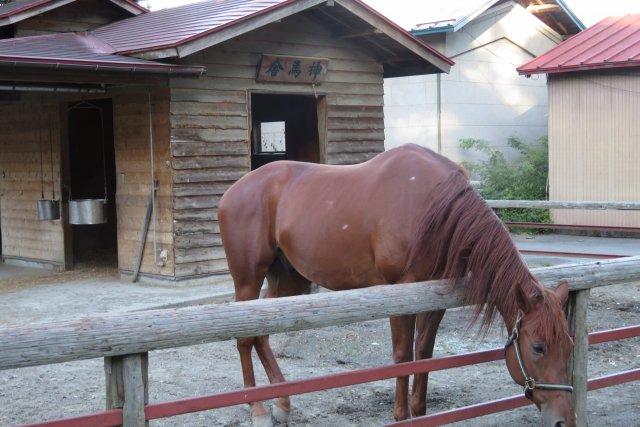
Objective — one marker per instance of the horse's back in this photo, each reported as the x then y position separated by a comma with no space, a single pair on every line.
340,226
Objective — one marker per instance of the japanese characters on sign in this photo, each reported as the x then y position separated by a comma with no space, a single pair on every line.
292,69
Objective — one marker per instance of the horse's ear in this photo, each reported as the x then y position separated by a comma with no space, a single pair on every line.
562,291
527,302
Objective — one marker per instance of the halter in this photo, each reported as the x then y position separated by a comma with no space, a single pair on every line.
530,383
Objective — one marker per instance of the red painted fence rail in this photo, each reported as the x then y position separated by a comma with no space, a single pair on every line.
179,407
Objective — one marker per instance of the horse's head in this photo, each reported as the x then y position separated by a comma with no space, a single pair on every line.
537,353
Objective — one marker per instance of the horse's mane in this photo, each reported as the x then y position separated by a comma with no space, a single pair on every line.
461,236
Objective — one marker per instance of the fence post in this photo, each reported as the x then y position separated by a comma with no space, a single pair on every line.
577,314
127,386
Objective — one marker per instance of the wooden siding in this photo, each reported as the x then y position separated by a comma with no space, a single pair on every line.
133,176
82,15
27,131
210,124
594,144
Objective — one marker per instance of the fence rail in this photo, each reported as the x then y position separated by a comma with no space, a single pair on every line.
557,204
139,332
124,340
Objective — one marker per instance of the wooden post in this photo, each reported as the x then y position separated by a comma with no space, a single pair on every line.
577,313
127,386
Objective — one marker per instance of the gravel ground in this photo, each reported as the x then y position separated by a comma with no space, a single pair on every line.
70,389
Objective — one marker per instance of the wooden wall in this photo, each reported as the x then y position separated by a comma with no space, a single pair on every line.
28,131
594,148
133,176
81,15
210,124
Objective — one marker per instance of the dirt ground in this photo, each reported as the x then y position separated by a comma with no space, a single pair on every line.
70,389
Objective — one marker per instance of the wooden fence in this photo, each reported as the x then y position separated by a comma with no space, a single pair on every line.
124,340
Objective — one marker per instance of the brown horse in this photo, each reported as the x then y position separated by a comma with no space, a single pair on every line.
407,215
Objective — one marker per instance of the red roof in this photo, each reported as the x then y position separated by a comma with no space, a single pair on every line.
611,43
168,27
183,30
79,50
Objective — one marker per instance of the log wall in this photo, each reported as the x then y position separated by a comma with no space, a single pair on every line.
134,182
29,131
210,123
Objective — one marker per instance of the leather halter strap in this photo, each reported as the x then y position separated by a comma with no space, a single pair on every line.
530,383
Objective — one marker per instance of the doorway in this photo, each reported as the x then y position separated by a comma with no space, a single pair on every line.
284,127
92,175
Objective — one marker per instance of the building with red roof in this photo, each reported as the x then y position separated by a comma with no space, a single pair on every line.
593,82
161,112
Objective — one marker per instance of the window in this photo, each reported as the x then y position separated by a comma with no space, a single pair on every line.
272,139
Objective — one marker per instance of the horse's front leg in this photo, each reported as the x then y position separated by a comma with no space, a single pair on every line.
402,329
426,329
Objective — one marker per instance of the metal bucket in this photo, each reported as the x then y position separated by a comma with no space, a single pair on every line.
48,209
87,211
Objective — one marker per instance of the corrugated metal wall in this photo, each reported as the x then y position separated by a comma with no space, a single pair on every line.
594,144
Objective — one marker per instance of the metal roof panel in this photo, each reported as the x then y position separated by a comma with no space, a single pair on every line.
612,42
169,27
76,49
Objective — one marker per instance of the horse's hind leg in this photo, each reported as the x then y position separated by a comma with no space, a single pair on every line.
426,329
282,281
249,268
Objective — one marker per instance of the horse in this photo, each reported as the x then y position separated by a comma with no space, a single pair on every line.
407,215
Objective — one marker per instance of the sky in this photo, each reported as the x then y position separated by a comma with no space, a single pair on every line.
407,13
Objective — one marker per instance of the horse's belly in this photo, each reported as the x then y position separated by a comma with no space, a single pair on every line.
336,259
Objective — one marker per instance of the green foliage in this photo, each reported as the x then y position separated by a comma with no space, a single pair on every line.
525,178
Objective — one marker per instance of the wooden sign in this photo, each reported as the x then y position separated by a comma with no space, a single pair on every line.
292,69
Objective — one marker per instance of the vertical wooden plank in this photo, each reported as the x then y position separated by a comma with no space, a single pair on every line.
114,383
135,370
127,386
577,312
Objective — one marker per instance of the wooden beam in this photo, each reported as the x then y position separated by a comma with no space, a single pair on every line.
359,33
139,332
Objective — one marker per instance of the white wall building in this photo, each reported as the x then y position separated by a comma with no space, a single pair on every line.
483,96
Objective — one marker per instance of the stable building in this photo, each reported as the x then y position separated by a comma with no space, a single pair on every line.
593,82
123,137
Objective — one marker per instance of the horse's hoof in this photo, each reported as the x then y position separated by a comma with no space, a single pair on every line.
262,421
281,415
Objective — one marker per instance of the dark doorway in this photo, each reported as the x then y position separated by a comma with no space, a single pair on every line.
92,175
284,127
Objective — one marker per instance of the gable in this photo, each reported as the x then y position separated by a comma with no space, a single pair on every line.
35,17
185,30
506,22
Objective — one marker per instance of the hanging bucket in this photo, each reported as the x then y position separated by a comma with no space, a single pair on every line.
48,209
87,211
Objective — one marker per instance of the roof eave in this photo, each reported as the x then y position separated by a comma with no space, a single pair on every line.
571,15
577,68
100,66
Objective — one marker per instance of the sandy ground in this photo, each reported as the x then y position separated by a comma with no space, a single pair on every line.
75,388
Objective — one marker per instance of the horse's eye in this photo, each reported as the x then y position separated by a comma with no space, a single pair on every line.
538,348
